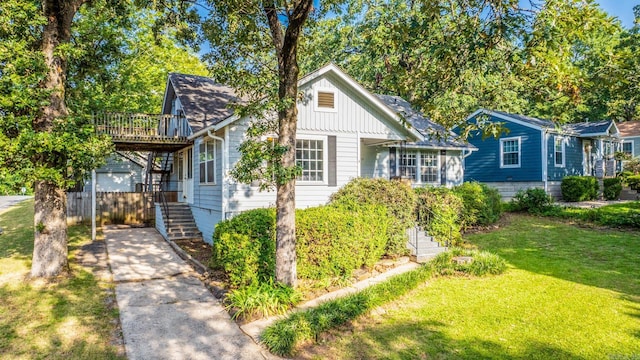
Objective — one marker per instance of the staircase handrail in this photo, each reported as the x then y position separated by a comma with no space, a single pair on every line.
431,214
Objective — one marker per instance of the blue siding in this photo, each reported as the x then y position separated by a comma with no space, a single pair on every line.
573,158
484,164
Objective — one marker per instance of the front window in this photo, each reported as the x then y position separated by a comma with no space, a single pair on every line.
627,148
207,162
310,158
510,152
559,151
408,165
419,166
428,167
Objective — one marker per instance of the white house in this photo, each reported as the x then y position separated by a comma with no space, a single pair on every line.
343,132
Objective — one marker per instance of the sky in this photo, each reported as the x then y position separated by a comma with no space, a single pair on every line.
622,9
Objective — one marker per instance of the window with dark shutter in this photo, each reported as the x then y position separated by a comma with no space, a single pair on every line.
326,100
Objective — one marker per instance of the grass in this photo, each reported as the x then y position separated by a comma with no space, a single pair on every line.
569,293
285,336
64,318
624,215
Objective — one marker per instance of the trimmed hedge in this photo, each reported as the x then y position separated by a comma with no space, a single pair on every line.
612,188
579,188
335,240
244,247
482,204
331,241
439,212
532,200
396,196
634,182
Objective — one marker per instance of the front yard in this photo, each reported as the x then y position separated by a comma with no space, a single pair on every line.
570,293
70,317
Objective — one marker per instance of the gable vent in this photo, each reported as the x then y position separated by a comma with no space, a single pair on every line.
326,100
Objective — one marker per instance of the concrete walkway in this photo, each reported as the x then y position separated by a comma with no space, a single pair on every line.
165,310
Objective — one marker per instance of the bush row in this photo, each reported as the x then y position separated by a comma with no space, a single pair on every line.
364,220
332,241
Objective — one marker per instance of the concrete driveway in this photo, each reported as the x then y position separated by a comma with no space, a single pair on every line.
8,201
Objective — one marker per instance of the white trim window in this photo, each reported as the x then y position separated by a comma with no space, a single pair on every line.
510,152
408,165
627,147
207,162
558,151
429,168
420,166
311,158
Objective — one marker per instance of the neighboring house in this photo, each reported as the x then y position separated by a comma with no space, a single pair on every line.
343,132
630,134
536,153
123,172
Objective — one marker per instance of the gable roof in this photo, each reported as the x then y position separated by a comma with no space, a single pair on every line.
629,128
583,129
203,101
435,135
590,128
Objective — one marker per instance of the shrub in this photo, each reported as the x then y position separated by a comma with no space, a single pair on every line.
263,299
482,204
335,240
396,196
244,247
612,188
579,188
439,212
532,200
632,166
634,182
331,241
483,263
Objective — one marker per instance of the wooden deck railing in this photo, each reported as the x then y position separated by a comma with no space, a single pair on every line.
142,126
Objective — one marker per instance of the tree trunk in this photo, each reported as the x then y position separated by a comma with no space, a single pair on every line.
50,220
287,53
286,271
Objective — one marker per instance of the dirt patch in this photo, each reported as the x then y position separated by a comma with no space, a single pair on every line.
198,249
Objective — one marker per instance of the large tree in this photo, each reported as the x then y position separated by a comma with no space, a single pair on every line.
61,61
254,47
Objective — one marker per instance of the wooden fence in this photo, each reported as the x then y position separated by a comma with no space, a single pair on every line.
131,208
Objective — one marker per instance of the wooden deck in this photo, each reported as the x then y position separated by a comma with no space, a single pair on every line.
144,132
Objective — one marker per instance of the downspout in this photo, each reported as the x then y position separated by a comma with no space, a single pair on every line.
545,161
225,154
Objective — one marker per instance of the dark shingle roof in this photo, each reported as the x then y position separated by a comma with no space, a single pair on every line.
204,101
587,128
580,129
528,119
435,134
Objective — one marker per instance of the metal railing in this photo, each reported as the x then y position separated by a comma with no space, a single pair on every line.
424,218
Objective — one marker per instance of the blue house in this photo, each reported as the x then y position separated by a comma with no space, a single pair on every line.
534,152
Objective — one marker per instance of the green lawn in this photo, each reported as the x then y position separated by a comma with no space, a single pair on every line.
66,318
570,293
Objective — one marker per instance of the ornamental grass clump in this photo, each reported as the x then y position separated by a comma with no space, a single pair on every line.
481,263
263,299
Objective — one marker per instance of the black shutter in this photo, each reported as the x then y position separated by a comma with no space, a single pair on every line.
392,162
332,178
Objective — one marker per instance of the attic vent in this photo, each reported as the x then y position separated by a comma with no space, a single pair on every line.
326,100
